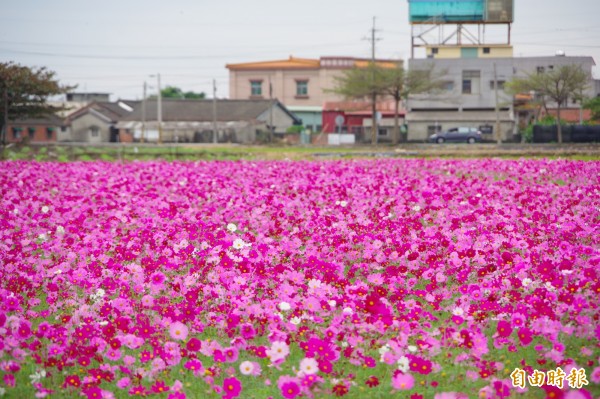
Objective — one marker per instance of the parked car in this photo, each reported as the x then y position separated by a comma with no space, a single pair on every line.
457,135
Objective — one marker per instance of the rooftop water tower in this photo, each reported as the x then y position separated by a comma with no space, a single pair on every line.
467,20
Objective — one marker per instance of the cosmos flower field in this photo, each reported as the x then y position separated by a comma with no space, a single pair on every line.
354,278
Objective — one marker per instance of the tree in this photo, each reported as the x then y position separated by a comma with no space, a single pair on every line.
593,104
557,85
379,81
176,92
399,84
25,91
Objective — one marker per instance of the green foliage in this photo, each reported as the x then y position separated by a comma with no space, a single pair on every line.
176,92
379,81
25,91
557,85
295,129
593,104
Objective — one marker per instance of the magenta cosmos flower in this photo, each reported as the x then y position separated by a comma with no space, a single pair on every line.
231,388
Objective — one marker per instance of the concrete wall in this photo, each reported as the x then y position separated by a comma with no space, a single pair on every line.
506,70
495,51
284,85
281,120
418,130
82,127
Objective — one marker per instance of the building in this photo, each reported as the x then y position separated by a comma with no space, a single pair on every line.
356,118
469,98
452,35
88,97
182,120
96,122
46,129
302,84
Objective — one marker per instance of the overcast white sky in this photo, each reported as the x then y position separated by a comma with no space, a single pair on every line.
113,46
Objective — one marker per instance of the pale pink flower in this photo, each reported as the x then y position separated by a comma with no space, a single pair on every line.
309,366
178,331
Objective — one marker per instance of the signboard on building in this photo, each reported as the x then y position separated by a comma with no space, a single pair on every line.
460,11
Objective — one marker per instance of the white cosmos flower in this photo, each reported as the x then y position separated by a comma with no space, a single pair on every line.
309,366
416,208
403,364
231,227
526,282
295,320
246,367
45,209
332,303
343,204
384,349
458,312
314,283
238,243
347,311
37,376
60,230
412,348
284,306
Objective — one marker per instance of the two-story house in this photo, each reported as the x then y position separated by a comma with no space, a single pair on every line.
304,85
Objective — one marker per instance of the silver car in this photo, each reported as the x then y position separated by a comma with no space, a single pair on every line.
457,135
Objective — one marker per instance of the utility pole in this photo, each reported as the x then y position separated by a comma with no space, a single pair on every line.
497,127
159,111
375,131
214,109
270,111
143,113
5,116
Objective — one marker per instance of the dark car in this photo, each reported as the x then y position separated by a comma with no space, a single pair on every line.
457,135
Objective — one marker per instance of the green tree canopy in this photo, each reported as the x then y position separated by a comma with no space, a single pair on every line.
593,104
24,92
557,85
380,81
176,92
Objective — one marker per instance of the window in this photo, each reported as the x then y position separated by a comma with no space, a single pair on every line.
49,132
31,132
540,69
434,50
470,83
302,88
256,87
16,131
94,131
486,50
431,129
500,84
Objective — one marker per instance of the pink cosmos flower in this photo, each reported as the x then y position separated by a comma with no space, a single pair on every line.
309,366
403,382
178,331
123,383
451,395
279,350
246,367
